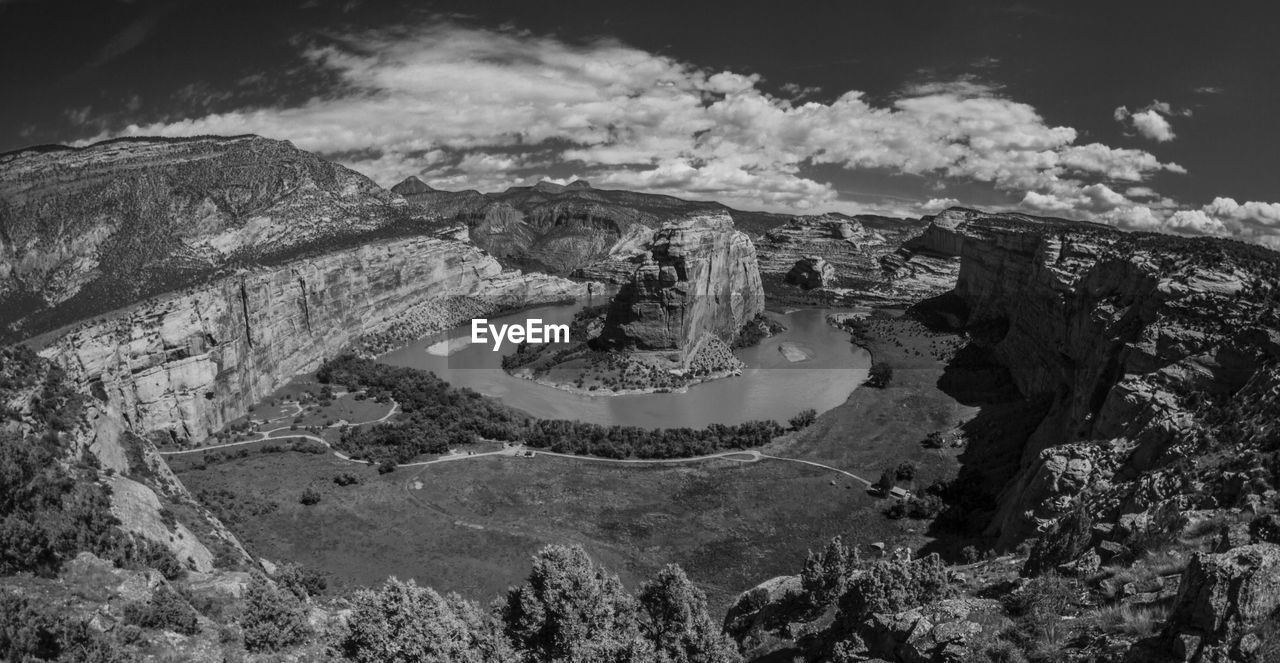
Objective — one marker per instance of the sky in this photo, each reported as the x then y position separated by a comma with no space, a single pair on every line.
1146,115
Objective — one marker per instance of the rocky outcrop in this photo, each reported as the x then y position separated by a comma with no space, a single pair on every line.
868,263
1223,598
87,230
941,632
1125,336
699,277
188,362
811,272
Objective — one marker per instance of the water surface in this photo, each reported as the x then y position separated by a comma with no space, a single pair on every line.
771,387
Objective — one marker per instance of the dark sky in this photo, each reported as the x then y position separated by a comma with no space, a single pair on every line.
959,101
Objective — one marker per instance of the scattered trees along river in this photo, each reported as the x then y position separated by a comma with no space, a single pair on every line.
436,416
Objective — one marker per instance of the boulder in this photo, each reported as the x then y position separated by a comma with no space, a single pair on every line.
1224,596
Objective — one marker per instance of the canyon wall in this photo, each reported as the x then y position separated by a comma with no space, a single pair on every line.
1123,334
188,362
700,276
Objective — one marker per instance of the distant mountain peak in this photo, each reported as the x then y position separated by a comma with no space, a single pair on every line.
412,185
551,187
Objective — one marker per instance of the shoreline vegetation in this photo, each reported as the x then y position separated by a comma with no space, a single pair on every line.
436,416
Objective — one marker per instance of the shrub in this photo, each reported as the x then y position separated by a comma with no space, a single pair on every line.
402,623
346,479
166,610
303,582
894,586
803,419
309,497
272,620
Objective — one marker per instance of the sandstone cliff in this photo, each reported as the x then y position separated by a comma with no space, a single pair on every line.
87,230
868,262
1136,342
187,363
699,277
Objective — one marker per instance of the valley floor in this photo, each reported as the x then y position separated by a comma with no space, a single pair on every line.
472,526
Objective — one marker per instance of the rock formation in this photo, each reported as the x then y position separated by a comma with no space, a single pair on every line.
699,277
565,229
87,230
811,272
1222,600
187,363
1125,336
866,256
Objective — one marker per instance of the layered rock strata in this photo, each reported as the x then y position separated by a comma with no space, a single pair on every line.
188,362
866,256
699,277
1127,337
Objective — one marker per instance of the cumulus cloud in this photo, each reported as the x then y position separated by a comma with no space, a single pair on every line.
464,106
1150,121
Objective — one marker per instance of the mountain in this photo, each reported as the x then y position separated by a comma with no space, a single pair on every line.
86,230
564,229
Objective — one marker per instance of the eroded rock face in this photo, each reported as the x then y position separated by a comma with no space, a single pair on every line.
698,277
1222,598
87,230
1123,334
812,272
188,362
869,265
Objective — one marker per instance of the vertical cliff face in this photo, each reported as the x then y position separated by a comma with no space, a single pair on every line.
1123,334
698,277
186,363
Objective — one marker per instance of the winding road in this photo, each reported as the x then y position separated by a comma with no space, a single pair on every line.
739,456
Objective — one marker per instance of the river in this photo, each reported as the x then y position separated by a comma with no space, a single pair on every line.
771,387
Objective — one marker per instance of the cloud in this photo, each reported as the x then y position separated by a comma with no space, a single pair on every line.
938,204
1150,121
483,108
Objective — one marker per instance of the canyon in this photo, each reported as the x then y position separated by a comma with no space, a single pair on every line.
178,282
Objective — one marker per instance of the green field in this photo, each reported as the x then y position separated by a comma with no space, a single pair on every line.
471,525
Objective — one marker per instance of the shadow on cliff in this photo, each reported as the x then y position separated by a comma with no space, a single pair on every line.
992,440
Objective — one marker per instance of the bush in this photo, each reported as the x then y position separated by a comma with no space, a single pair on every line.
31,631
301,581
272,620
894,586
309,497
346,479
403,623
803,419
879,375
166,610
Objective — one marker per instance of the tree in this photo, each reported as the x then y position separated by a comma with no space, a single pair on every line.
906,471
309,497
404,623
879,375
273,620
825,573
675,620
888,479
570,610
